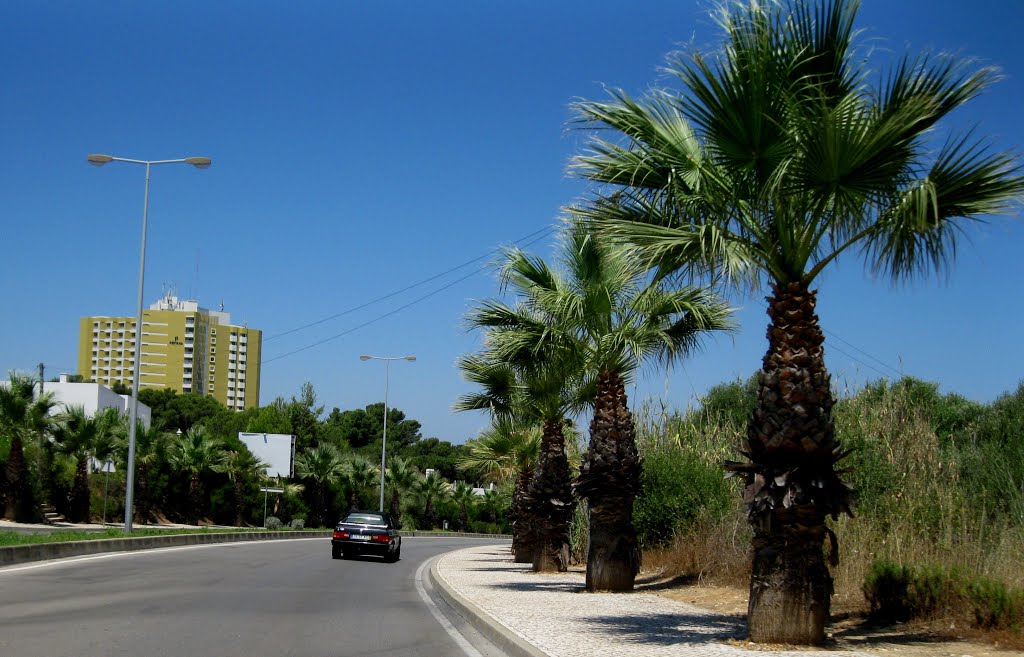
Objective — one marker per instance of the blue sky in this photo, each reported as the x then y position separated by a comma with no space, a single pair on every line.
362,148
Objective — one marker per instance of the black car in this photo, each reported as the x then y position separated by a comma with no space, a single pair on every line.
367,532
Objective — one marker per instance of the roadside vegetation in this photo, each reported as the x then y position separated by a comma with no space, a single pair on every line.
939,480
191,468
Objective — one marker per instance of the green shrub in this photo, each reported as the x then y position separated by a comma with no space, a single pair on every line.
678,488
274,523
297,523
900,593
481,527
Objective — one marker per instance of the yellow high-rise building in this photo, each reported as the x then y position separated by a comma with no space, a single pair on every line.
184,348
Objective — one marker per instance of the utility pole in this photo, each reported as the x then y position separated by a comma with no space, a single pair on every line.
41,367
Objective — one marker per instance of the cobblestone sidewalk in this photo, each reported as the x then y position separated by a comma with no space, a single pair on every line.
551,612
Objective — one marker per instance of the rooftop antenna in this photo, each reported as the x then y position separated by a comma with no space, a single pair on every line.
222,305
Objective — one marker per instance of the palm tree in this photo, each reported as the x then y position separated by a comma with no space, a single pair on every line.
194,453
429,490
604,314
399,477
359,477
507,451
241,467
776,158
539,387
22,416
464,497
151,446
322,465
76,436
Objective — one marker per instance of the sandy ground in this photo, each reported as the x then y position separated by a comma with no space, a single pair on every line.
846,633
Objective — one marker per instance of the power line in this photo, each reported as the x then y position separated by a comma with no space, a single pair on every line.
855,347
400,308
546,229
851,356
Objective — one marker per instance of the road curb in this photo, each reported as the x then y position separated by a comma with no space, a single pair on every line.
512,644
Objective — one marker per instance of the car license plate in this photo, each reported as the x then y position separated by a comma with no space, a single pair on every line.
360,537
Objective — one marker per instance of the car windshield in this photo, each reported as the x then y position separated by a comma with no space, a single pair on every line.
365,519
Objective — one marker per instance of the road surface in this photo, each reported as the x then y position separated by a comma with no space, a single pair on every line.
278,599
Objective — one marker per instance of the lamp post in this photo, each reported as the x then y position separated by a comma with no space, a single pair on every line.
384,445
100,160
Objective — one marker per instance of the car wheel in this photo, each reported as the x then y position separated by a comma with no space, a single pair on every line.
335,553
397,555
346,554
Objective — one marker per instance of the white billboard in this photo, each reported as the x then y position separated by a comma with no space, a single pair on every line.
277,450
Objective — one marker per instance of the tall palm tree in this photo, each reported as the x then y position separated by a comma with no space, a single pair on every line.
539,387
508,451
777,157
429,490
399,478
359,477
194,453
76,436
464,498
241,467
322,465
22,417
604,313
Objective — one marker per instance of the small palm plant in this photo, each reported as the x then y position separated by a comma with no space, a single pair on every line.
359,477
75,435
430,490
464,497
241,467
23,416
323,467
399,478
194,453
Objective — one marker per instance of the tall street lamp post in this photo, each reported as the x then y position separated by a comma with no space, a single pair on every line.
100,160
384,445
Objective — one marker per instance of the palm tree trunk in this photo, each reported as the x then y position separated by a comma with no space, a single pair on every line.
19,490
396,506
791,484
239,495
142,494
610,480
428,513
80,491
523,536
549,498
195,497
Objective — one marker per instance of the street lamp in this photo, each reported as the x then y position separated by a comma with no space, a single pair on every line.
99,160
387,366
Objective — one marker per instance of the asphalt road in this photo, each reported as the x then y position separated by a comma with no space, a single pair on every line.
274,599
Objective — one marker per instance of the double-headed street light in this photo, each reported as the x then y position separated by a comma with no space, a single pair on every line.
100,160
384,445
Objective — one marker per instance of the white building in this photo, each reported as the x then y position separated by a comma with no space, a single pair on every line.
93,397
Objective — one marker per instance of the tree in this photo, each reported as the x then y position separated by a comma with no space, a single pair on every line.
194,453
22,418
508,451
399,478
536,387
776,158
602,314
429,491
76,436
359,477
464,497
323,467
150,450
304,417
241,467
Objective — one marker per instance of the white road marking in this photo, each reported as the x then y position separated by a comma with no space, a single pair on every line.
139,553
456,636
